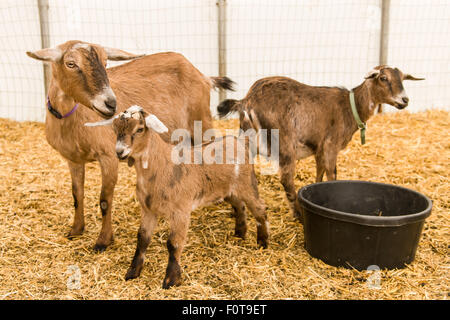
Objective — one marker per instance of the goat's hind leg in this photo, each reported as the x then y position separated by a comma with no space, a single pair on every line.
250,196
240,215
326,163
257,209
287,171
179,225
77,172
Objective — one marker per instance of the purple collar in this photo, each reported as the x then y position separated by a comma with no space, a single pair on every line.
56,113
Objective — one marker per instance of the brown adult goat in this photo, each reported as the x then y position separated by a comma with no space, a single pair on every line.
165,84
314,120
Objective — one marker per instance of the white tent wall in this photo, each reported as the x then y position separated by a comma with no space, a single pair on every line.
319,42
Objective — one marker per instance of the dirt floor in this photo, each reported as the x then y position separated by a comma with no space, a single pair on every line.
37,261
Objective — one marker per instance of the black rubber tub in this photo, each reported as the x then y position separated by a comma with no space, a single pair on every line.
356,224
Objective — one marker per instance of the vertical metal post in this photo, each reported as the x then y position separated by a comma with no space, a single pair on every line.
384,36
45,38
222,5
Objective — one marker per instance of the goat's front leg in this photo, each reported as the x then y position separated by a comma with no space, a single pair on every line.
148,224
109,166
332,173
179,225
77,174
320,167
287,170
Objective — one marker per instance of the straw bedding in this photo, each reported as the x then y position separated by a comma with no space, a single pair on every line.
36,212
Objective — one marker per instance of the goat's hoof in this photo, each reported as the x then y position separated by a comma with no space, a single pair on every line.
131,274
171,282
298,216
240,233
74,234
99,247
173,275
263,243
71,236
102,244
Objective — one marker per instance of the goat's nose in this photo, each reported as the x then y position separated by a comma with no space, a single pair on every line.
405,99
111,104
119,150
120,153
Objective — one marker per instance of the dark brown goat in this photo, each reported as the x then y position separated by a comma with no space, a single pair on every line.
314,120
165,84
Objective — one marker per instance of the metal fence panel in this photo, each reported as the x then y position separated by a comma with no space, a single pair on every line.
419,43
21,79
319,42
324,42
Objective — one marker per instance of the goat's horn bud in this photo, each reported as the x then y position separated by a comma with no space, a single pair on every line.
134,109
371,74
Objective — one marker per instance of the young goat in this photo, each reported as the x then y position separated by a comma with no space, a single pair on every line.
174,190
314,120
80,79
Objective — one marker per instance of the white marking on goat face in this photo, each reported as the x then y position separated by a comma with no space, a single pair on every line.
122,149
100,100
399,98
236,170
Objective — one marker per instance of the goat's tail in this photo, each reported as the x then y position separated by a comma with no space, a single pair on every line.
227,106
222,83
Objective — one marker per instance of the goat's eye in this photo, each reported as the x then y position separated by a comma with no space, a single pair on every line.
383,78
140,130
70,64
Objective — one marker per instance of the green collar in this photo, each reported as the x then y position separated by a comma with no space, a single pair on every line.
361,125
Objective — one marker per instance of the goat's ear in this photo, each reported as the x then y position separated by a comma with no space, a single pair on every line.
372,74
120,55
410,77
101,123
152,122
49,55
